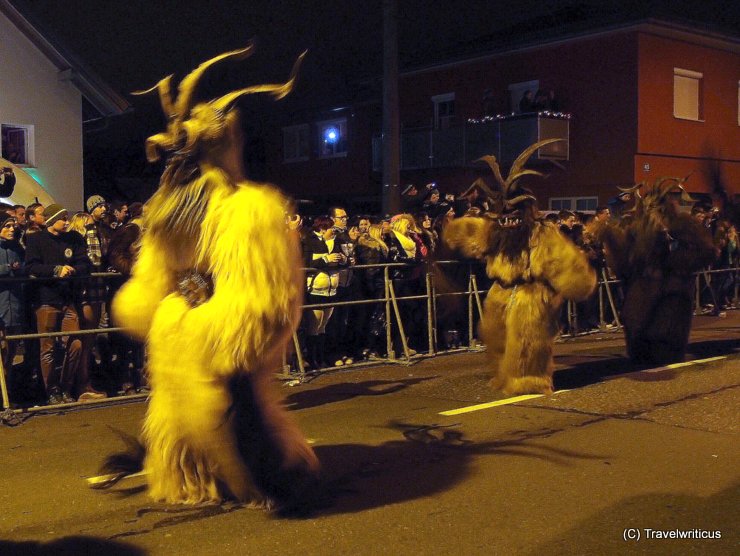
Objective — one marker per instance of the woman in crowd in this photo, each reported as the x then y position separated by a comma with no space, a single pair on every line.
405,246
371,249
11,293
427,233
322,253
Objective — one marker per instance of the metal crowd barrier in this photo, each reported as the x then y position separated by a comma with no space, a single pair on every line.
607,299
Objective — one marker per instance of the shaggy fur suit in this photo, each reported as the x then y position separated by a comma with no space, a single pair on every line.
520,314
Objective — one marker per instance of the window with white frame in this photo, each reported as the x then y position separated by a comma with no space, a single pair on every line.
332,138
687,94
17,143
444,110
580,204
295,143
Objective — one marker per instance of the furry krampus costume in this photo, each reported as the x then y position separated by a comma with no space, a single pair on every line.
216,292
535,268
654,251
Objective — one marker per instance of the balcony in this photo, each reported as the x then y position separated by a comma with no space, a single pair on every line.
504,137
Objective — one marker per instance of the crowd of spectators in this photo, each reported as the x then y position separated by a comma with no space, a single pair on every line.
335,243
51,265
55,278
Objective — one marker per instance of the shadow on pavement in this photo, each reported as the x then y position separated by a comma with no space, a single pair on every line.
603,533
70,546
595,370
712,348
347,391
431,459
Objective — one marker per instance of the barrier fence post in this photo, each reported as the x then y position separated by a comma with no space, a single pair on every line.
602,319
430,313
610,296
388,332
697,296
299,356
3,384
478,303
471,287
399,323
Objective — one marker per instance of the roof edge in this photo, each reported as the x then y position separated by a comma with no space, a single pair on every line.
98,93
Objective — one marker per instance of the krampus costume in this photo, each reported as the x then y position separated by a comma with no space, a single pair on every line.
216,292
535,268
654,251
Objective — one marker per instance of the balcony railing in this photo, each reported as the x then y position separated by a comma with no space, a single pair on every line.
504,137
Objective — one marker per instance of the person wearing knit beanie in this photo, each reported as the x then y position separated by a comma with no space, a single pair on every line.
53,213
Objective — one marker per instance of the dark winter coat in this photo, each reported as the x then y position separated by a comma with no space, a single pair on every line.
45,253
11,292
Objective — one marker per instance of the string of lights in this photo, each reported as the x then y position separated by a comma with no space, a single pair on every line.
513,115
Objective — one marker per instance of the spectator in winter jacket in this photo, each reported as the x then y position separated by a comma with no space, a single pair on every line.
56,253
11,292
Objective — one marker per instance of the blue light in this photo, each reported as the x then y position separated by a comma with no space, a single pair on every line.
331,135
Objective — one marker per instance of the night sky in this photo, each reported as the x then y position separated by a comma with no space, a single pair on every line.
132,44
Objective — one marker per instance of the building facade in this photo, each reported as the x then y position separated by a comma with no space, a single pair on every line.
633,103
41,107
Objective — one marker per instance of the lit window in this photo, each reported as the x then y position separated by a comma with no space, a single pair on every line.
444,110
687,92
17,143
295,143
332,138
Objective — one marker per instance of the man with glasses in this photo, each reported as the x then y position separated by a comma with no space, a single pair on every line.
57,253
339,327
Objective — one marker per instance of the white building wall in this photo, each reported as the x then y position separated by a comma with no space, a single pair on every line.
32,94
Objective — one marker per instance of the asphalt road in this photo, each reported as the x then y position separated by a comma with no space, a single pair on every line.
616,454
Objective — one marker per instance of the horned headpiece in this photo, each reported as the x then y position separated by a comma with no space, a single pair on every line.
514,193
191,125
655,195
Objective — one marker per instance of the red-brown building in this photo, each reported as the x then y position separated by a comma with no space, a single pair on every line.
638,102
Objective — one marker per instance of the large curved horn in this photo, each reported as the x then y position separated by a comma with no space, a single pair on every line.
521,160
665,184
513,178
634,189
187,87
165,95
520,198
493,164
278,90
483,186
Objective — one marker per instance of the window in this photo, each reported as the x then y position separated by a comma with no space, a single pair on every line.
295,143
586,203
560,204
580,204
444,110
687,93
17,143
332,138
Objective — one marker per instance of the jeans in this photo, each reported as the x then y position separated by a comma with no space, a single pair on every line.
63,318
